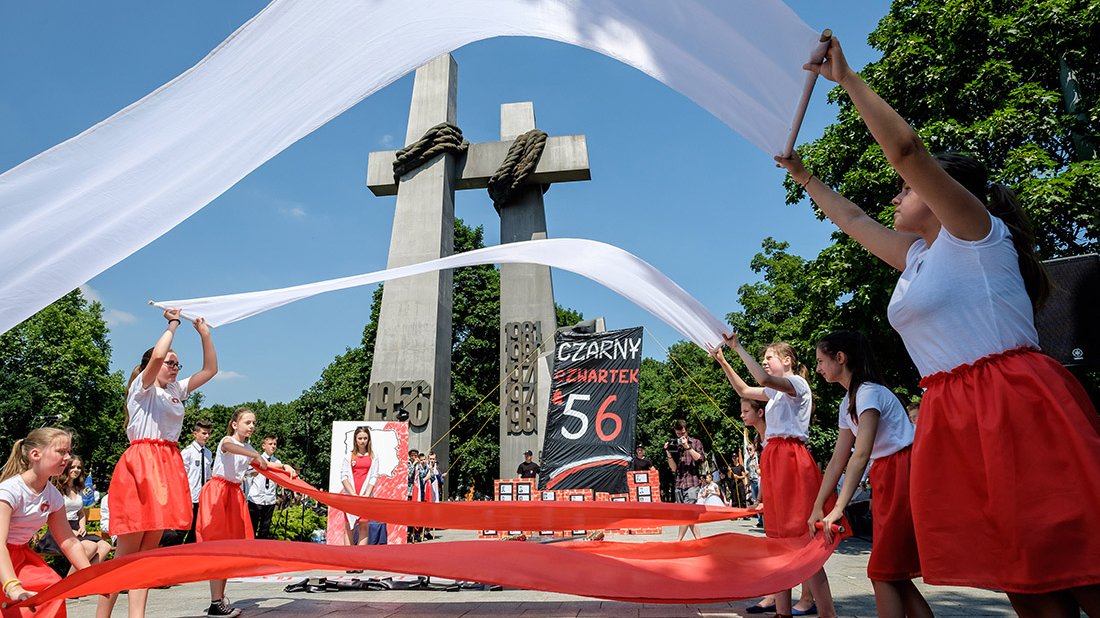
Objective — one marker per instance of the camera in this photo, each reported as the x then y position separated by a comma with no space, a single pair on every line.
676,443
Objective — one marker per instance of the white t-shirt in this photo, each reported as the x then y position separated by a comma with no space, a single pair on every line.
29,510
105,515
959,300
895,432
261,490
787,416
231,466
156,413
195,459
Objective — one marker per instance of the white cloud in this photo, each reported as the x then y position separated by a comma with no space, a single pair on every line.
295,212
387,141
90,294
116,317
229,375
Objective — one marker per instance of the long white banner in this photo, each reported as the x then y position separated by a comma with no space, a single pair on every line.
614,268
75,210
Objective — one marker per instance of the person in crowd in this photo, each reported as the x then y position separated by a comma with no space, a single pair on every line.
413,534
752,461
149,486
639,463
686,459
528,469
261,492
913,411
736,476
70,484
28,500
792,476
358,476
197,461
964,306
873,428
223,514
710,494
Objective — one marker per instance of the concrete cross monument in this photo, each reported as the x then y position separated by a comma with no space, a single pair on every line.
410,376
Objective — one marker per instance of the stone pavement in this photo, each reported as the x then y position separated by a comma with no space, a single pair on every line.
847,577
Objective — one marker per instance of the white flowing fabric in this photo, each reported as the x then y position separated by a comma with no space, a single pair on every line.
615,269
75,210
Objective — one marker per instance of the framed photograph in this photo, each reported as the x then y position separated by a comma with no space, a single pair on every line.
645,498
505,489
549,496
574,498
641,478
523,489
644,490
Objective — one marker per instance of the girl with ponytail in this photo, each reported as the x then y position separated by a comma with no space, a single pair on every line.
786,465
874,428
149,490
28,500
964,306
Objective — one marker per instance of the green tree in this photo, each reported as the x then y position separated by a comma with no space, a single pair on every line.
55,370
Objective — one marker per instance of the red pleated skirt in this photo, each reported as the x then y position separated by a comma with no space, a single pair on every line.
894,554
1006,477
792,480
149,489
36,576
223,512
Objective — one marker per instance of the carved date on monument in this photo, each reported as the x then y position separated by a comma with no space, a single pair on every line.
409,400
522,343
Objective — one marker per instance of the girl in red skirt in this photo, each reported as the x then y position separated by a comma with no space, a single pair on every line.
787,467
874,428
149,490
28,500
223,512
964,306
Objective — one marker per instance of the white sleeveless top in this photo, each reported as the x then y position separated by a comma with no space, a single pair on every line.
231,466
156,413
960,300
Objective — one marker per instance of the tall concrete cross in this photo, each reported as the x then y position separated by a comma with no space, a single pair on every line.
411,369
413,351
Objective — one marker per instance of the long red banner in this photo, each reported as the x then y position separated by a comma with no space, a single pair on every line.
514,515
713,569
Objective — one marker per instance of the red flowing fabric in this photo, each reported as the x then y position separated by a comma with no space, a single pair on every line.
709,570
565,515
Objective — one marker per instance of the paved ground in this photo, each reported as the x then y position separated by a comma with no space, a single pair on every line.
846,568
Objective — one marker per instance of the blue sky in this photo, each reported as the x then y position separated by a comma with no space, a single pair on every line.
670,183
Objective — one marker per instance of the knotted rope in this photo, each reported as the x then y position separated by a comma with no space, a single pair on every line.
442,138
522,159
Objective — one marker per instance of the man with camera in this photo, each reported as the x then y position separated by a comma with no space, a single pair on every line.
685,457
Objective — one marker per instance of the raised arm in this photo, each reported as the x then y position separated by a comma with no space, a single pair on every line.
160,350
958,210
209,357
765,380
740,386
888,245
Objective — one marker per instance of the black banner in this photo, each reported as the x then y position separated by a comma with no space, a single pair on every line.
593,408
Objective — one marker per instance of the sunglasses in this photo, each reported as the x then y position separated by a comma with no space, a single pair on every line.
173,365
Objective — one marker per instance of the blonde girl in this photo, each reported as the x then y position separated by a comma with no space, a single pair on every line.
28,500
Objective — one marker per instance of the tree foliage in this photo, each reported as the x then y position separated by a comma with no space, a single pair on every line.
55,370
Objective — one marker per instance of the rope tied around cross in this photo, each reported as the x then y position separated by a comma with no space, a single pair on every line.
441,139
522,159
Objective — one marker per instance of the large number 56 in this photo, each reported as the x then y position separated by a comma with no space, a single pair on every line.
602,415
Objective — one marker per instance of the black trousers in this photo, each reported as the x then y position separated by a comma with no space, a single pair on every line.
260,514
